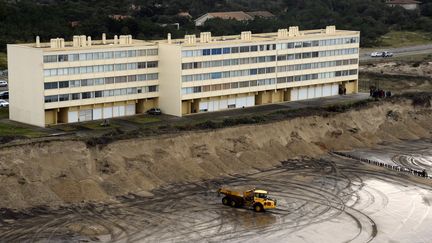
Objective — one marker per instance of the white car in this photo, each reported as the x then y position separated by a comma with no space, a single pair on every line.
3,83
382,54
4,103
376,54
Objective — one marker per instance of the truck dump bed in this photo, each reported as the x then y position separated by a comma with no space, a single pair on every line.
235,191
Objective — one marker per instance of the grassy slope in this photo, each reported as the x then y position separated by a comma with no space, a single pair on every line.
3,61
405,38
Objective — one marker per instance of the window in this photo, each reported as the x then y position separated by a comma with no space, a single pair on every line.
307,44
298,45
121,79
86,95
131,91
244,84
51,98
306,55
109,80
108,55
152,52
254,48
50,58
98,56
186,66
226,50
75,83
153,88
216,51
62,58
52,85
98,94
73,57
132,66
152,76
235,50
120,67
244,49
87,82
63,84
153,64
216,75
64,97
281,80
132,53
206,52
82,57
76,96
141,65
132,78
253,71
141,53
98,81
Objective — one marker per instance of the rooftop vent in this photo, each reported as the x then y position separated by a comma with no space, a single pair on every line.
190,39
246,36
205,37
57,43
294,31
282,33
330,29
104,39
169,38
38,41
125,40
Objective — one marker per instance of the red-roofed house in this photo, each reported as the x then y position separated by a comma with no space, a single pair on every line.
406,4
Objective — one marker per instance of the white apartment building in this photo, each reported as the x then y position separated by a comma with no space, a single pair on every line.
83,80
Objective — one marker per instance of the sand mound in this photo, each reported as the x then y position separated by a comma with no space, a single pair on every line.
59,172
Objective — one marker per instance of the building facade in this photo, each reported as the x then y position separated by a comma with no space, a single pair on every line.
85,80
406,4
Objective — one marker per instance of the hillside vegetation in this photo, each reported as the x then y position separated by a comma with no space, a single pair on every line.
21,21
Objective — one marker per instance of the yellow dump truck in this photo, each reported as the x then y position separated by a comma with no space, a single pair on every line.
258,200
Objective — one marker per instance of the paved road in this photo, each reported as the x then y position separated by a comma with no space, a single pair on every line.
398,52
255,110
332,199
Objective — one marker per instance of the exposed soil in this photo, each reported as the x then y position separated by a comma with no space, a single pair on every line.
69,172
418,68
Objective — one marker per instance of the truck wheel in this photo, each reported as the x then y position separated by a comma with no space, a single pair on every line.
226,201
258,207
233,203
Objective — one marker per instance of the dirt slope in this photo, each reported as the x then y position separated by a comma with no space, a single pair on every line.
60,172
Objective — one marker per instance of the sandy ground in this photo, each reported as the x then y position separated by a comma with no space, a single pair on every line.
320,200
423,69
69,172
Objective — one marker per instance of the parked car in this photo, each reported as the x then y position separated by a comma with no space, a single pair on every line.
154,111
4,95
376,54
3,83
4,103
381,54
387,54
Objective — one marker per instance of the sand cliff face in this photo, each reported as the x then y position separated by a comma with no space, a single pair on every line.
59,172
